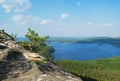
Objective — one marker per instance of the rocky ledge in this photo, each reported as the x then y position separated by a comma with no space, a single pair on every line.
29,71
18,64
16,69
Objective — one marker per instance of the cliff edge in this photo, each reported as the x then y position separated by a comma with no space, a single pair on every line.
18,64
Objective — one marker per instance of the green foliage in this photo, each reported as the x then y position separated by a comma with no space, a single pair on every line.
35,40
37,44
41,62
14,35
1,31
25,45
34,37
101,70
46,51
1,37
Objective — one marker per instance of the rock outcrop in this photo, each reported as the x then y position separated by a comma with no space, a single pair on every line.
18,64
4,36
8,47
29,71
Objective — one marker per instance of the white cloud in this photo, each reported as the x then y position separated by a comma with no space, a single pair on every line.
15,5
7,7
99,25
44,22
25,19
64,15
89,24
78,3
29,19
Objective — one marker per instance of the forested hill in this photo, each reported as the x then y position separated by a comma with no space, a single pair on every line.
99,40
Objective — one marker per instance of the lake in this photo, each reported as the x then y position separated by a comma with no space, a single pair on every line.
80,51
84,51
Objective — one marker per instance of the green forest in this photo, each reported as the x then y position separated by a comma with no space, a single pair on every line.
95,70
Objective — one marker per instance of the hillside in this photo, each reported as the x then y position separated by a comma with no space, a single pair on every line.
99,40
19,64
97,70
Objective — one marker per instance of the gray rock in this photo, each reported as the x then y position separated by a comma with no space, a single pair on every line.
17,64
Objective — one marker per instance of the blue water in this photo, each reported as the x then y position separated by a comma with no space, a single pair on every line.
79,51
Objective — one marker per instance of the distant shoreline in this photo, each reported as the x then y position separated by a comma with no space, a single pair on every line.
98,40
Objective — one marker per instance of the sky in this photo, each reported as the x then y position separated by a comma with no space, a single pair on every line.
61,18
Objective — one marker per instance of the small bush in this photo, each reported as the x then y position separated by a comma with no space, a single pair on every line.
37,44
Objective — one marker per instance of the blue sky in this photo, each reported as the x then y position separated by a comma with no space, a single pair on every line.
63,18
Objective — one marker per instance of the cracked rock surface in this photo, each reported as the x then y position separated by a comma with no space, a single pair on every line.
16,65
29,71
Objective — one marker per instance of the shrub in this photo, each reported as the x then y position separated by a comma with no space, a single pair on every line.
37,44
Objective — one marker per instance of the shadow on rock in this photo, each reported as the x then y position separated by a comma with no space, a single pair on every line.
14,65
3,47
84,78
